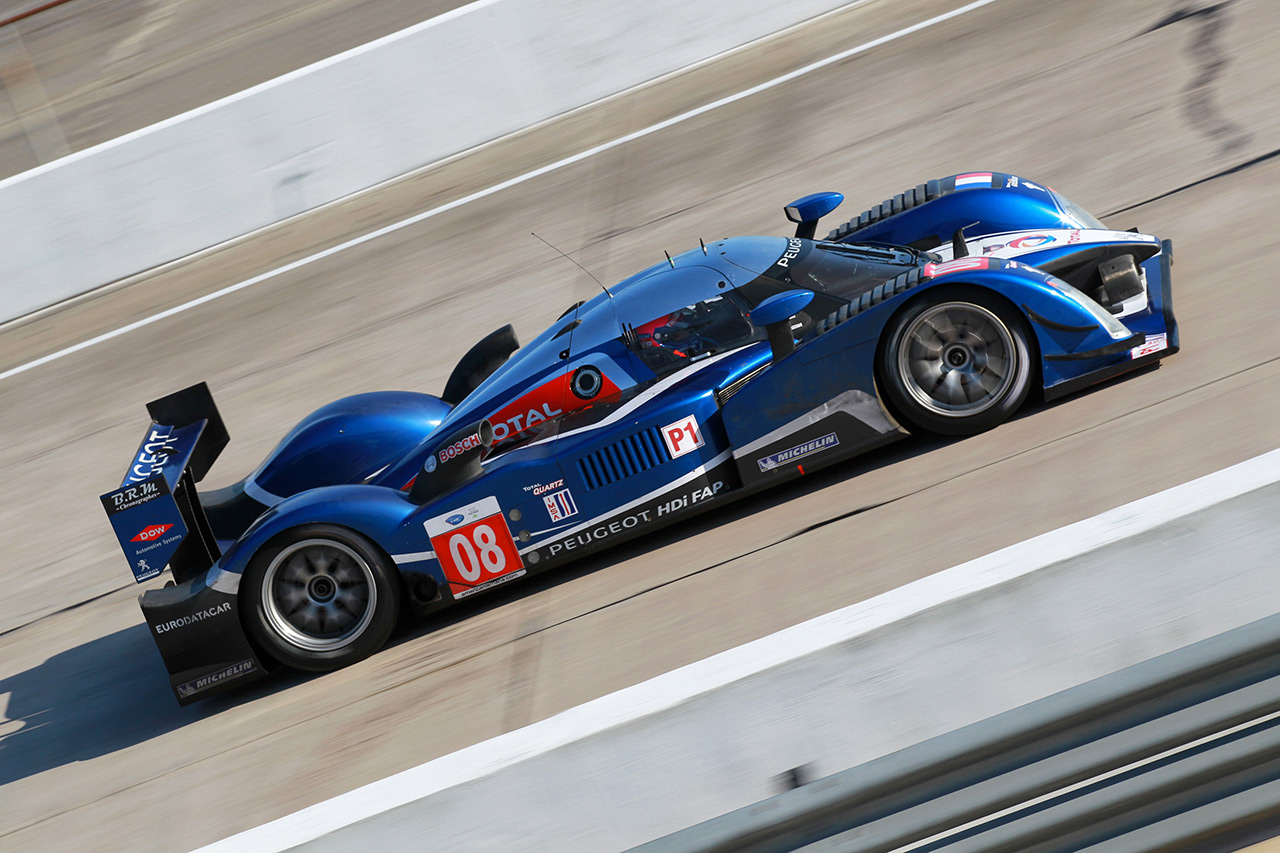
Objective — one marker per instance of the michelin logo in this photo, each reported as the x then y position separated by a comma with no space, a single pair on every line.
791,454
213,678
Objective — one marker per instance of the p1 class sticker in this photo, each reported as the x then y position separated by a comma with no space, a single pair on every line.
1153,343
682,437
479,554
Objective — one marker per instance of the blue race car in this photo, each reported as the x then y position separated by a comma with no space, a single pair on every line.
717,373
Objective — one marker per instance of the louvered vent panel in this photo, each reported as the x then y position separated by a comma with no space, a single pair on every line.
723,394
626,458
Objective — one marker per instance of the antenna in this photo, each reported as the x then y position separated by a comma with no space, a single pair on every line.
578,265
668,254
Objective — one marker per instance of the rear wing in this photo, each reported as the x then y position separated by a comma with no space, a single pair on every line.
156,513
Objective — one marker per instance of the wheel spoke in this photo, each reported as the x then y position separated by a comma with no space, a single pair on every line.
942,326
293,597
321,561
926,368
990,381
307,617
297,569
932,349
952,388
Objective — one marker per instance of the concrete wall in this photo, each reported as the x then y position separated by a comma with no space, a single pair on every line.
924,659
340,126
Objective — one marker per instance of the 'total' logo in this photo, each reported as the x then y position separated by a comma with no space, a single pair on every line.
155,531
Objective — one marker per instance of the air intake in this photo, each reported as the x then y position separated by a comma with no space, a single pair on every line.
626,458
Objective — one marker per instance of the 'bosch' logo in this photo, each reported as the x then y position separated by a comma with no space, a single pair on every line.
586,382
460,446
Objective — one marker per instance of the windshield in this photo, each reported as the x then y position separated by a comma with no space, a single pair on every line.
1083,218
842,270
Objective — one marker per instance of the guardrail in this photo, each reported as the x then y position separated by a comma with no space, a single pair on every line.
1181,746
340,126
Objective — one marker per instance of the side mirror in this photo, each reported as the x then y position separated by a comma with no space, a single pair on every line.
806,212
775,313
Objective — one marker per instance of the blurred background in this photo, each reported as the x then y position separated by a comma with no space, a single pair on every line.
298,201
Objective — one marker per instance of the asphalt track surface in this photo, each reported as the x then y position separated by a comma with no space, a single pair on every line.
1155,114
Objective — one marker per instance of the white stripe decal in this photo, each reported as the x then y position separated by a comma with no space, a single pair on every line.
503,185
414,557
222,580
259,494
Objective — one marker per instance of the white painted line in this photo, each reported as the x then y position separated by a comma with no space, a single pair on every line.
683,684
245,93
496,188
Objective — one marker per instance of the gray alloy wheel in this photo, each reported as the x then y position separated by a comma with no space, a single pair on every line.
957,359
319,595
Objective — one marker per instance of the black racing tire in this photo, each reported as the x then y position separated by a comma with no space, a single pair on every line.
956,361
320,597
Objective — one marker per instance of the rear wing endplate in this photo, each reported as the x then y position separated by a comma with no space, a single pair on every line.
156,513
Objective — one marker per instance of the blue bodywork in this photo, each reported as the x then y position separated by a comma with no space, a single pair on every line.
663,396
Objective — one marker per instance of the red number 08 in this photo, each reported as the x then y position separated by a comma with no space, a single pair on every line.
463,550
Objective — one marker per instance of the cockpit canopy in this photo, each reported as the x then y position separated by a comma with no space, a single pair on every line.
671,315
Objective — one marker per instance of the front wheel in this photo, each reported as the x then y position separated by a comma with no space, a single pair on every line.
320,597
957,362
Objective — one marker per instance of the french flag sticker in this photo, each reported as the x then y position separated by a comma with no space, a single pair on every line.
972,180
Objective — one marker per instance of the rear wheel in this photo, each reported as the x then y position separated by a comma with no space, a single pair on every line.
957,362
320,597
